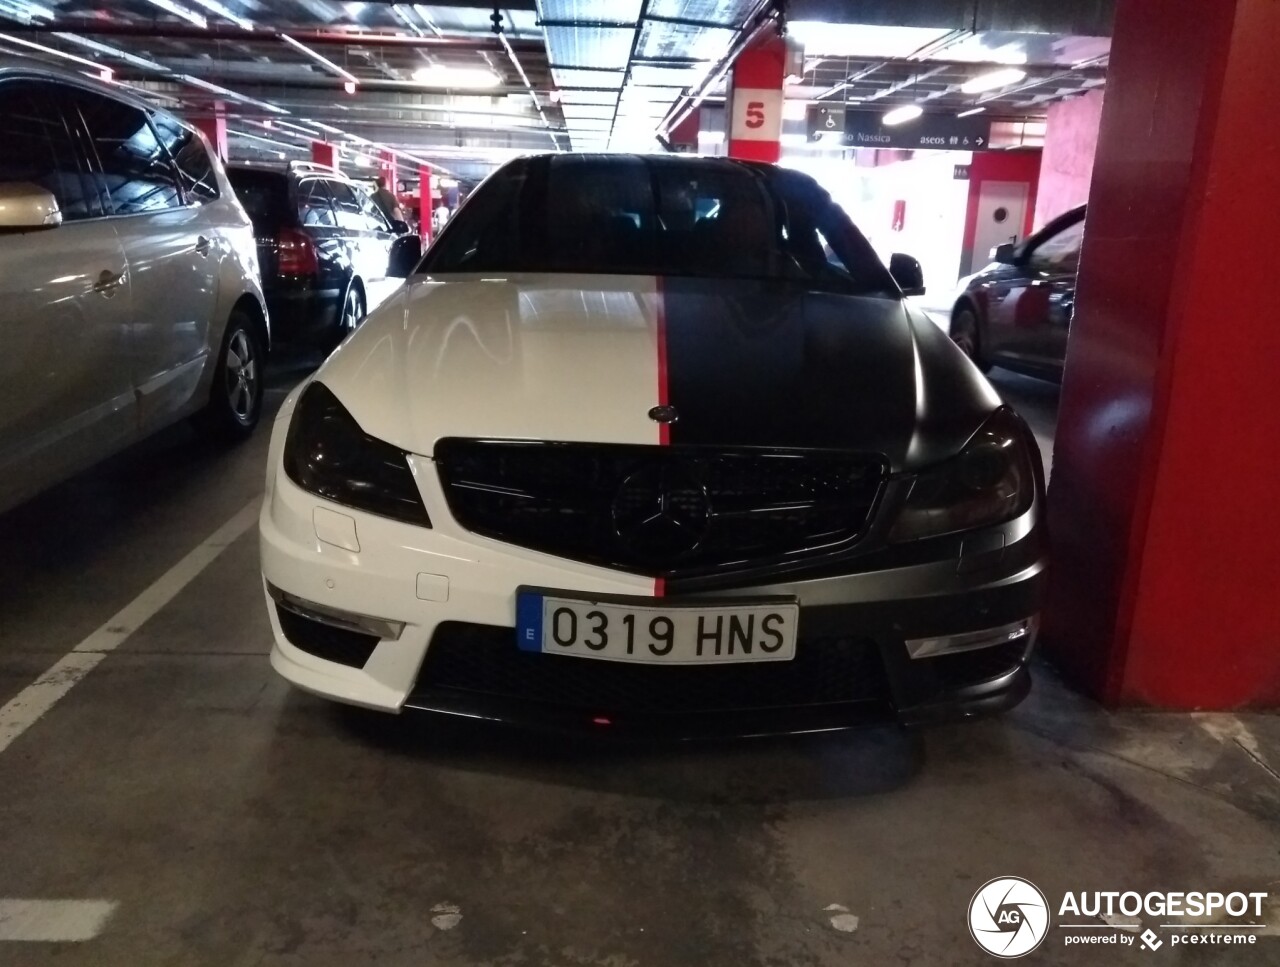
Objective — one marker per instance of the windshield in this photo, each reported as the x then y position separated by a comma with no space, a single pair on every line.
711,218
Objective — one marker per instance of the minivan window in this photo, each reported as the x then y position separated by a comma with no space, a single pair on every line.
659,216
375,220
314,208
138,173
39,149
347,206
199,181
264,195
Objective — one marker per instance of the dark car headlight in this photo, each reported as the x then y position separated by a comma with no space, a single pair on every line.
327,454
991,481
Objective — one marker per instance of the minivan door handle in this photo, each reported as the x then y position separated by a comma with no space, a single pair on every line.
108,282
202,246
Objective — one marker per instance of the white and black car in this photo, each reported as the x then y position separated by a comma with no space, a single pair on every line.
654,443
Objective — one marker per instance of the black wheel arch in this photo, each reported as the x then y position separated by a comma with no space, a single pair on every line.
252,308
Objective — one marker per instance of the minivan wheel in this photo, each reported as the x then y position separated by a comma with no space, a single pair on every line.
964,333
235,399
352,313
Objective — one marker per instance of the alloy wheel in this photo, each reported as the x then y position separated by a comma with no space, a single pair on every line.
242,376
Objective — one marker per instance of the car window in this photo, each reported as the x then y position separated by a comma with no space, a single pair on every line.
39,148
347,207
190,157
136,169
659,216
375,220
1059,252
264,195
314,207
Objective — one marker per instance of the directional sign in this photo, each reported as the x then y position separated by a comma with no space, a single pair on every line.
825,122
939,132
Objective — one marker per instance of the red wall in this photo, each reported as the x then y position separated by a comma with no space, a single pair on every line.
997,166
1070,142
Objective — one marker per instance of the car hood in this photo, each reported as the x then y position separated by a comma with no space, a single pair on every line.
586,358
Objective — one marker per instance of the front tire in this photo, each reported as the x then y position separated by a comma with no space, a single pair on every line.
235,399
351,313
965,334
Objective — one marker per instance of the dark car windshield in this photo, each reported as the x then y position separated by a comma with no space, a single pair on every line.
627,215
264,195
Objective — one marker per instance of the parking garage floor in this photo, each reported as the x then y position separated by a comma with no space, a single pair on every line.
193,810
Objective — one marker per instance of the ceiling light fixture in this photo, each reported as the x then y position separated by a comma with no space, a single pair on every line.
9,39
472,78
24,11
323,61
168,6
901,115
992,80
972,111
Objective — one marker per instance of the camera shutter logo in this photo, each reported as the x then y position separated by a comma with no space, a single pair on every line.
1008,917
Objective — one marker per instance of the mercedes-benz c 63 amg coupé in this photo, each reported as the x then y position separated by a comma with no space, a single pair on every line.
655,444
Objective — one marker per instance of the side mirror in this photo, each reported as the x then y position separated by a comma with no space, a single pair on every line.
400,227
907,273
1005,253
27,207
406,253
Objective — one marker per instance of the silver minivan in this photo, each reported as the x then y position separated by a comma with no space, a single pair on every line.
129,289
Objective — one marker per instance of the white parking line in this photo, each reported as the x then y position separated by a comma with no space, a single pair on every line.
53,921
25,708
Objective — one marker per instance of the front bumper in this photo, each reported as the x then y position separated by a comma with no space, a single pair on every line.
454,593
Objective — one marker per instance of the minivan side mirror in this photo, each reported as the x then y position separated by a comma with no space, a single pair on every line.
1006,253
27,207
907,273
406,253
400,227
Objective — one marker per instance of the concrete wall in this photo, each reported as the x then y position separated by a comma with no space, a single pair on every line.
1071,139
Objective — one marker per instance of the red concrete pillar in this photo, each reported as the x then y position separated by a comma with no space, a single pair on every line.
684,136
214,127
1165,499
388,169
323,153
426,202
755,100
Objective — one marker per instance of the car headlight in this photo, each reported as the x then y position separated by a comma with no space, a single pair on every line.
992,481
327,454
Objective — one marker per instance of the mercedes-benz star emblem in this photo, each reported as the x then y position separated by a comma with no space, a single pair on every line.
664,414
661,513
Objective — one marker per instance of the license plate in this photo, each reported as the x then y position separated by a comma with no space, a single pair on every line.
619,629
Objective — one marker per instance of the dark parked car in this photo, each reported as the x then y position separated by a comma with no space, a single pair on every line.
1016,312
321,242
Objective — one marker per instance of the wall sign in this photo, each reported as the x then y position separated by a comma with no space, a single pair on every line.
757,114
961,172
938,132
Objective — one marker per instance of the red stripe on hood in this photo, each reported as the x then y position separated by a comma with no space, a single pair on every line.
664,393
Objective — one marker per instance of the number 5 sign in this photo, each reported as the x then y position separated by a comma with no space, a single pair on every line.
757,114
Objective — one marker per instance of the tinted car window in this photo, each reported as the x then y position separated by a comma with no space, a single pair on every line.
195,170
375,221
347,207
314,207
659,216
39,148
264,195
1060,252
137,171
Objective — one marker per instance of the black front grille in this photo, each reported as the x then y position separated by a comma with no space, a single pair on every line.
670,511
484,661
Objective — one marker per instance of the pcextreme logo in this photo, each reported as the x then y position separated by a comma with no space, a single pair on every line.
1009,917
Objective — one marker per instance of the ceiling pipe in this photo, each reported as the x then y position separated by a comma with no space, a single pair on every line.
763,17
345,38
515,62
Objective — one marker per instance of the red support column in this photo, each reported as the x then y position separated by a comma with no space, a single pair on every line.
323,153
1165,500
388,169
754,116
426,202
214,127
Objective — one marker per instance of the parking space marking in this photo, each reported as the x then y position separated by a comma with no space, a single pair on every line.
26,708
53,921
